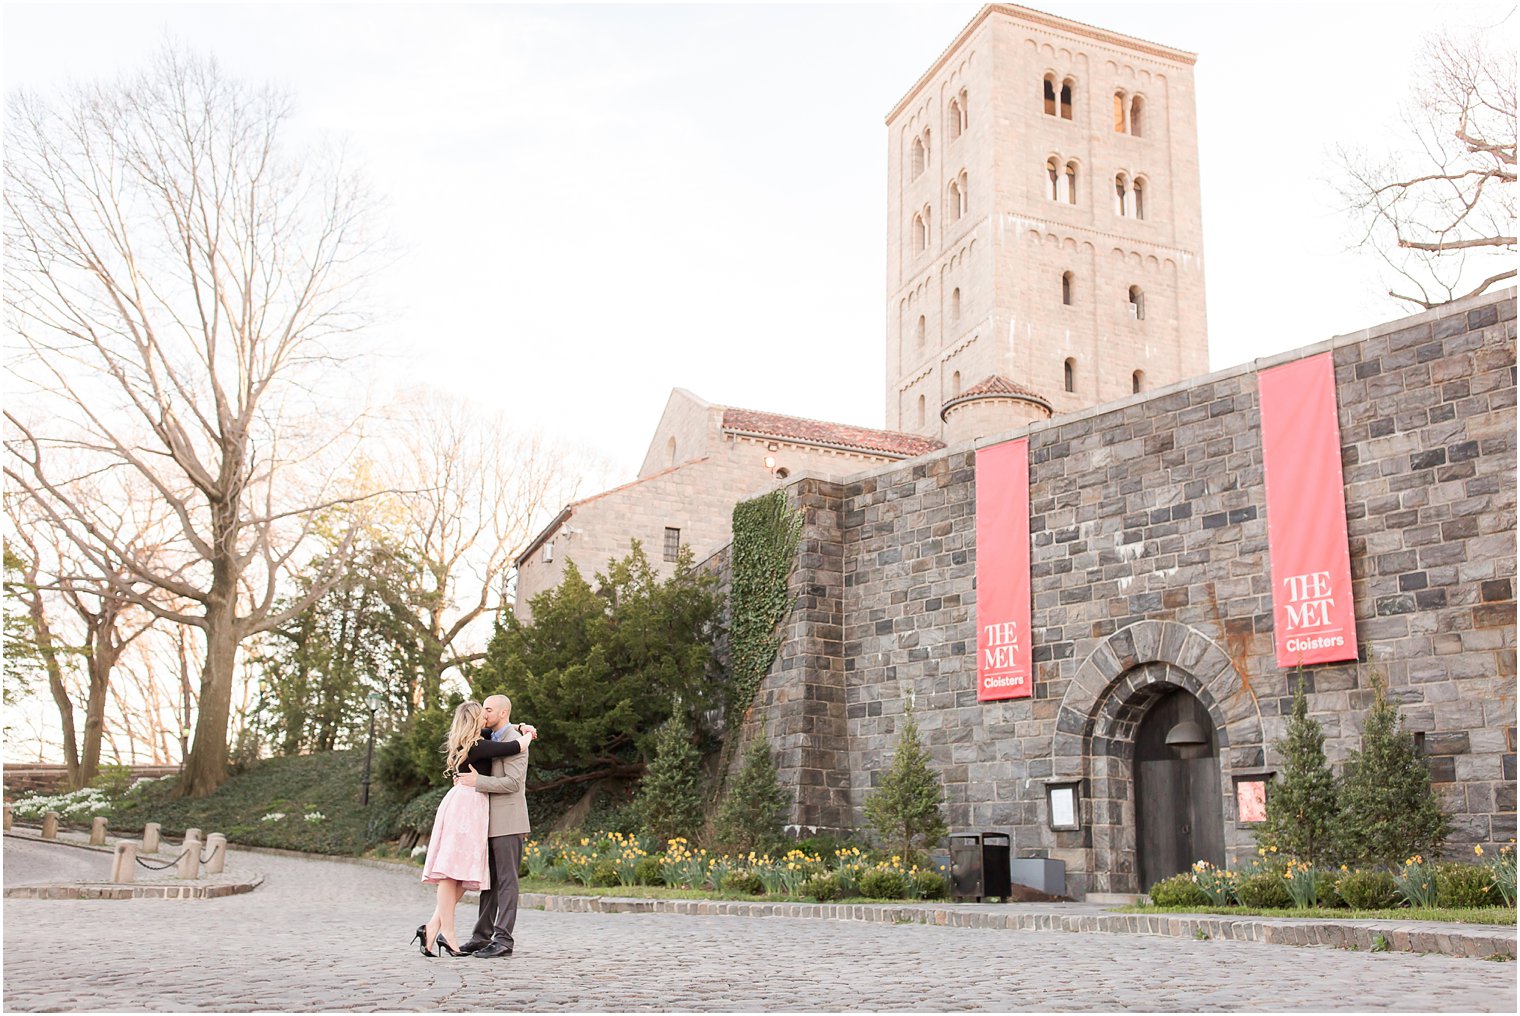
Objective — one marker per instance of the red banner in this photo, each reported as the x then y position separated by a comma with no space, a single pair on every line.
1004,668
1306,514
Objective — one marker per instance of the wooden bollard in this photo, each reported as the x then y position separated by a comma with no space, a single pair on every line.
50,826
216,851
7,818
124,867
150,838
98,832
190,859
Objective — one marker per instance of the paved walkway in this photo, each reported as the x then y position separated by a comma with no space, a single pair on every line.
323,935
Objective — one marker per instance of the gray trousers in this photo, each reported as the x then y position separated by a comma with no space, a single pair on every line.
498,904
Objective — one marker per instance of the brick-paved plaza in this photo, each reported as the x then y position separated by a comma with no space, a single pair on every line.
322,935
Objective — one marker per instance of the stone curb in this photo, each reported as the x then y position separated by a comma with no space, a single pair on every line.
1414,937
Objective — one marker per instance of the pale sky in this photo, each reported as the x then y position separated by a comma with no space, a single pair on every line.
594,204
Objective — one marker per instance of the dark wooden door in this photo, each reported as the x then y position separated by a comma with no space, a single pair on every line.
1179,815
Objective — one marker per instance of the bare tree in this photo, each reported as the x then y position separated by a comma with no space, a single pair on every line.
1440,210
472,488
180,284
106,621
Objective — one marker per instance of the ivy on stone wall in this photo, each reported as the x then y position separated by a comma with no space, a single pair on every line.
766,535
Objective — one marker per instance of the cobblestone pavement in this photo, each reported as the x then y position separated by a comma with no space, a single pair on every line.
323,935
33,863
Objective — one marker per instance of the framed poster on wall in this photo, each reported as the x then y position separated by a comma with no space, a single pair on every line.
1251,798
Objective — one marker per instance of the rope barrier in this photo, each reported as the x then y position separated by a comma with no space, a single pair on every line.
161,867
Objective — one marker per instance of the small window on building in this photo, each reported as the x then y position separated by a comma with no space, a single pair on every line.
1071,183
965,108
955,304
1053,175
955,383
670,447
921,411
918,158
920,330
1136,303
1137,382
1137,198
1050,95
953,119
954,202
1118,112
548,553
1071,374
1136,116
1068,87
672,543
1121,195
1066,283
920,234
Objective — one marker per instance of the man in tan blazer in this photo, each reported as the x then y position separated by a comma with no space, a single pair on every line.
507,830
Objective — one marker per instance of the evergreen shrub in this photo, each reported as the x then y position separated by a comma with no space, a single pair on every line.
1301,807
749,818
1178,891
905,808
884,884
650,871
742,880
1461,885
930,885
1265,890
821,887
670,796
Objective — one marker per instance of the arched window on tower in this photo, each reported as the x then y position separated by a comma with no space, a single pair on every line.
1119,112
953,118
965,112
1121,195
1136,303
1071,183
920,234
1136,116
955,304
1137,382
1053,179
918,158
928,151
920,330
954,202
1066,286
1070,372
1137,198
955,383
921,411
670,448
1050,95
1068,89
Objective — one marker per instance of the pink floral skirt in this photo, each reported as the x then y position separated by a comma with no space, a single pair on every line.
458,847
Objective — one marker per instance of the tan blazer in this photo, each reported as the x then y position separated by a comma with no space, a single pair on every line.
507,786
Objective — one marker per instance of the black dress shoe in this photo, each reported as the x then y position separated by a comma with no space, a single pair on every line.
473,945
492,951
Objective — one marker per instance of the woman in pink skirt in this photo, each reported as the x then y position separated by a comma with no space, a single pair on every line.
456,857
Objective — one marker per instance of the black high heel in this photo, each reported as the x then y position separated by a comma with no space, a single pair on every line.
442,945
421,939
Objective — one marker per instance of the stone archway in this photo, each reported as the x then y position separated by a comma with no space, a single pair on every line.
1098,718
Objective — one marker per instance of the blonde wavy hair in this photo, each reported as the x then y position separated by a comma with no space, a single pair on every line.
464,733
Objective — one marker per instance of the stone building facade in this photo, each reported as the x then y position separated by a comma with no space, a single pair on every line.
1150,575
1043,223
702,460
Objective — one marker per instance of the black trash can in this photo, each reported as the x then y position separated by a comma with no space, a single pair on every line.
966,866
997,871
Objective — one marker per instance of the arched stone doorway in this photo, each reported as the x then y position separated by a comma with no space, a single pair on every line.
1096,729
1179,813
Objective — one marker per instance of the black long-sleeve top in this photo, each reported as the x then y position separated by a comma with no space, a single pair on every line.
483,751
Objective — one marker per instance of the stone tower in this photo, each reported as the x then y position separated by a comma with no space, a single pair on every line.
1044,236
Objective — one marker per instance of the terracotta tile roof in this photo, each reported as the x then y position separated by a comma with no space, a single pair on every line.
890,443
997,385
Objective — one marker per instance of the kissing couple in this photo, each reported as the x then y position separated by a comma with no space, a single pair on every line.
478,833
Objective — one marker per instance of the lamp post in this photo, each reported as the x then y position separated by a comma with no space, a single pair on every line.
373,700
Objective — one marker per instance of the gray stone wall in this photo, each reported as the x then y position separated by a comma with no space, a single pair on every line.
1150,571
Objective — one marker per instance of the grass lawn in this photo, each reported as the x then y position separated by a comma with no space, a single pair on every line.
1464,915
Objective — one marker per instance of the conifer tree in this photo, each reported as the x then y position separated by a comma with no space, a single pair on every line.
750,817
670,796
905,808
1301,806
1388,811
